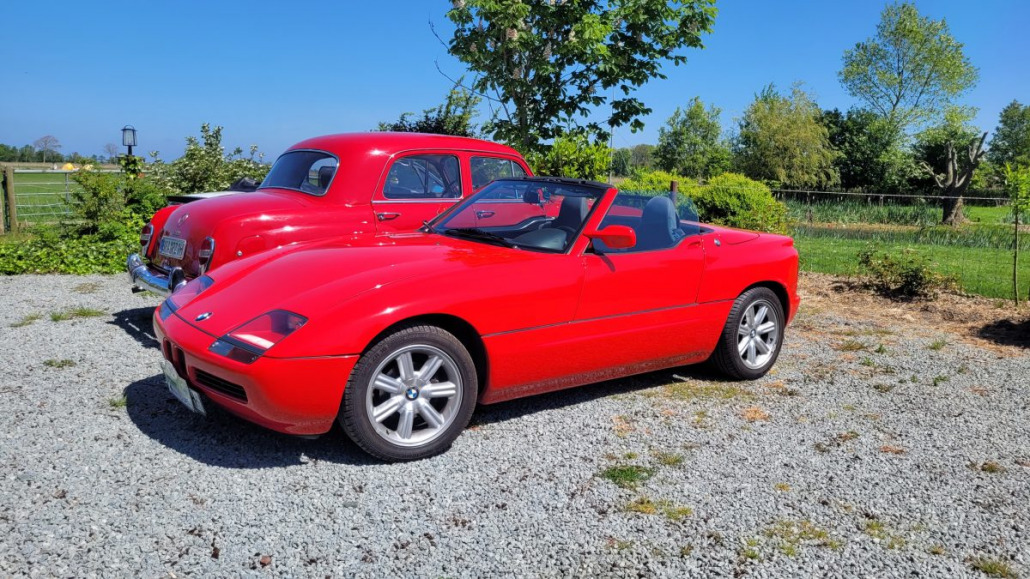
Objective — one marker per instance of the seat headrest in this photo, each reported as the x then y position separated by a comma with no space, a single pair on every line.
325,174
660,213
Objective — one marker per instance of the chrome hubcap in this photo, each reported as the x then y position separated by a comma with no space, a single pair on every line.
414,395
757,335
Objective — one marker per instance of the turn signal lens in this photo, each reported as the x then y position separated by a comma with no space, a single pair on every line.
145,234
248,342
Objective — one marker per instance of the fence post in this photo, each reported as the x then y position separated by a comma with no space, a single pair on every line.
12,207
674,188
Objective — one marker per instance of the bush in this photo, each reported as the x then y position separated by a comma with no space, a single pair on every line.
574,156
205,166
655,181
114,206
734,200
51,250
907,276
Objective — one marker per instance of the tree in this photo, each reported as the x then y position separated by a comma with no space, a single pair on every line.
621,162
45,144
689,143
958,172
782,140
642,157
910,70
548,65
935,151
112,152
453,117
872,158
1011,140
1017,185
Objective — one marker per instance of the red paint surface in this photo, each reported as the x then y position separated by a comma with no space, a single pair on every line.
243,224
545,320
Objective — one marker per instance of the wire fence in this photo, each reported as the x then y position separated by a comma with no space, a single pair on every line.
986,256
41,195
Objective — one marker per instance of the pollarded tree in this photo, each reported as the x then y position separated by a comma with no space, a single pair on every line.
782,140
910,71
689,144
951,169
550,64
1011,140
47,144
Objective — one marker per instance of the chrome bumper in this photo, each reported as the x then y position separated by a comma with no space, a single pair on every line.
143,279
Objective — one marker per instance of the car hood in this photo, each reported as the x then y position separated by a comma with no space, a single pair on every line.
319,277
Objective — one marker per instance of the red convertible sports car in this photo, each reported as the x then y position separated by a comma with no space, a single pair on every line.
530,285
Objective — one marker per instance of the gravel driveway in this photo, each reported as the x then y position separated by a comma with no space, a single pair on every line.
872,450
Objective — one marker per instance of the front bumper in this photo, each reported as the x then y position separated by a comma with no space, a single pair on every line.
299,396
145,278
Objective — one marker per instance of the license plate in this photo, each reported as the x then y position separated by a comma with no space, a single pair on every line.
172,247
178,387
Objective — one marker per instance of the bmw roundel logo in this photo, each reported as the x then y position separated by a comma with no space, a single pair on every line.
411,393
202,317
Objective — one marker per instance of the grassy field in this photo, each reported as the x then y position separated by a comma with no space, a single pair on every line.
43,197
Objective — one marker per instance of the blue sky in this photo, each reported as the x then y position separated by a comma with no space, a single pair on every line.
274,73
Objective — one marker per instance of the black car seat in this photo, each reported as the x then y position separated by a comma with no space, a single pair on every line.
659,225
325,174
571,215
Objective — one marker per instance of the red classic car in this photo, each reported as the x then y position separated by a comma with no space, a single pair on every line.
398,337
353,184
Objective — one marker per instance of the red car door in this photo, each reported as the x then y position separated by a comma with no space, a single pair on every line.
416,188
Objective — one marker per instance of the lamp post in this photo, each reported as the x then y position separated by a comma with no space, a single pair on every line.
129,137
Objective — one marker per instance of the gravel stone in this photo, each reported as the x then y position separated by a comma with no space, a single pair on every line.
910,461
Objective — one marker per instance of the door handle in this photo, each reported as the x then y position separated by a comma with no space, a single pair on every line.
484,214
386,216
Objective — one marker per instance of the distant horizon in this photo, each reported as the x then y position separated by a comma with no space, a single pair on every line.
258,70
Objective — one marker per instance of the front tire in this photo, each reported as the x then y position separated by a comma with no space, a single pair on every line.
751,340
410,395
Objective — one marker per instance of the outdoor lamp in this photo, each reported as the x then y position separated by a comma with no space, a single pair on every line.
129,137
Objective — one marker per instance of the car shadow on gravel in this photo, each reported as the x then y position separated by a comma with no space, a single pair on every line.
223,440
137,323
504,411
1007,333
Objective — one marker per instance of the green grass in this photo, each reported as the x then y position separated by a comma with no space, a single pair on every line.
627,476
78,312
54,363
978,270
857,210
993,567
26,320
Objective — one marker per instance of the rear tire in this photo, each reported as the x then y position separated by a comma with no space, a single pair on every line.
410,395
753,335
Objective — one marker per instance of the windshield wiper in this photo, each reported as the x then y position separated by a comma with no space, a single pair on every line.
476,233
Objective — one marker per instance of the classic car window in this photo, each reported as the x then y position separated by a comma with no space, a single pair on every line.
423,177
486,169
306,171
529,214
657,221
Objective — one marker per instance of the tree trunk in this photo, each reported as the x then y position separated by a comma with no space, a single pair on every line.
953,209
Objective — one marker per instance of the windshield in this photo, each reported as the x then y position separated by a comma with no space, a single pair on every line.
531,214
305,171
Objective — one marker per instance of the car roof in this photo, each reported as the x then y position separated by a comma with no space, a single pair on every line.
386,143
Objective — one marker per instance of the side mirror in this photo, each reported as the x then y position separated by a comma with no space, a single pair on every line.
615,236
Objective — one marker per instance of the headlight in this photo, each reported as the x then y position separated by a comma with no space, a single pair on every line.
248,342
184,295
